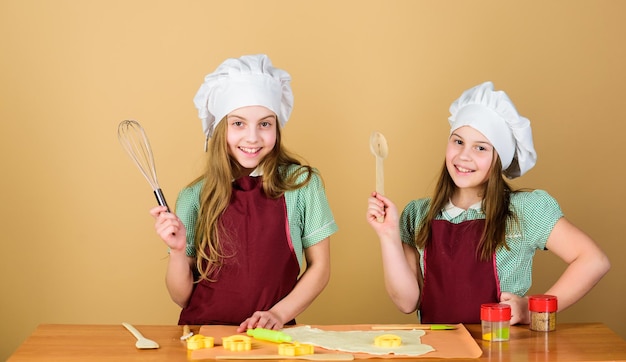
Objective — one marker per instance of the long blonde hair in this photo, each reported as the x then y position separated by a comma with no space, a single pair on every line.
216,192
495,205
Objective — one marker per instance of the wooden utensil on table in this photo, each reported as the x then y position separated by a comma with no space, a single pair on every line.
379,148
142,342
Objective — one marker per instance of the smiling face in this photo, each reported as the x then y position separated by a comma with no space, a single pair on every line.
251,135
469,156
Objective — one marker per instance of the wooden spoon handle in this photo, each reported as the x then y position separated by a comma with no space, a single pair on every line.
380,181
380,176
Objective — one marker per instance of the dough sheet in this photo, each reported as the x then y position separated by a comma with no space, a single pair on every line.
361,341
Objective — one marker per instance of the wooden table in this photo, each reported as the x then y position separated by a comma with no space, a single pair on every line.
59,342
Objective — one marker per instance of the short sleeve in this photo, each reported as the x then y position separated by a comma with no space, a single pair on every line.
537,214
316,219
187,209
411,218
309,216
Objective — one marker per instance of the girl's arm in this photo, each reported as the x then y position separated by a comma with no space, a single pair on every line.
400,261
309,286
587,263
178,278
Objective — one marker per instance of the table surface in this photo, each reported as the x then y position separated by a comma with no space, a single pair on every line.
65,342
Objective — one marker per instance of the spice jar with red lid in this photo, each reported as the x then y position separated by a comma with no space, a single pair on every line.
495,320
542,309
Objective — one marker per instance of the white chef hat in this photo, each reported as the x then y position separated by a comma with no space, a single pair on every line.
493,114
239,82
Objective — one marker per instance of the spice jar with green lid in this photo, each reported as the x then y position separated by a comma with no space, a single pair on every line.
542,309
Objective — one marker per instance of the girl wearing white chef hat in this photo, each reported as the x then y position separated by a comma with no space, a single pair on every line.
244,228
475,239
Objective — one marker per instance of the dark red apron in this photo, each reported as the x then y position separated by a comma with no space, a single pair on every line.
456,282
263,267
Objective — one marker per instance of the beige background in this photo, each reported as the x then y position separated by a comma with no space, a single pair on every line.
78,244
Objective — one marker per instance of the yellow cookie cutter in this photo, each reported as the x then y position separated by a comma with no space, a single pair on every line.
237,343
199,341
387,340
295,349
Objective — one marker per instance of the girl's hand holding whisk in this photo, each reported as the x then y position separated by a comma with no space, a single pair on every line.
169,227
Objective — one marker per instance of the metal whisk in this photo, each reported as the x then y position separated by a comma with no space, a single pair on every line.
134,140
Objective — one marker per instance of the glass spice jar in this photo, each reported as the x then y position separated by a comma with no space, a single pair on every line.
542,309
495,320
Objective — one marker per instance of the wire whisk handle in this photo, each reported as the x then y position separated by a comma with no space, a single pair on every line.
161,198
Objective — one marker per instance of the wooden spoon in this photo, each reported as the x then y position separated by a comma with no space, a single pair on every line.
142,342
378,146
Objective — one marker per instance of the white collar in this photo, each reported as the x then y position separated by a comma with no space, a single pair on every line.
256,172
454,211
